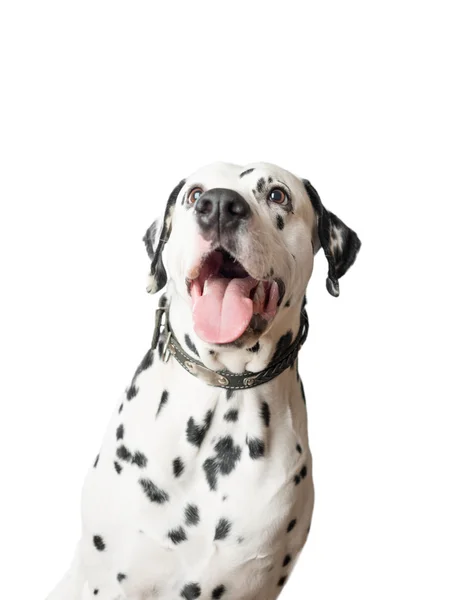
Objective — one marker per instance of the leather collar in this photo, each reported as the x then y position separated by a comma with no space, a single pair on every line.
225,379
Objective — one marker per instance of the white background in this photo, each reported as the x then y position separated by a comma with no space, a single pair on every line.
105,107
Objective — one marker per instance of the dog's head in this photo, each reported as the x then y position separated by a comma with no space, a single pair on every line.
240,244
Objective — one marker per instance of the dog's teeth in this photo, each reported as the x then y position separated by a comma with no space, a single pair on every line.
194,273
258,297
205,287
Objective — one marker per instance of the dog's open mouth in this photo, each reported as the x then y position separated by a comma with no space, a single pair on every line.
225,298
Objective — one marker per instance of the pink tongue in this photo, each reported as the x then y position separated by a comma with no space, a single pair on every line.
225,310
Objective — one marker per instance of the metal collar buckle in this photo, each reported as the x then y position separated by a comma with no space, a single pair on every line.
167,348
158,325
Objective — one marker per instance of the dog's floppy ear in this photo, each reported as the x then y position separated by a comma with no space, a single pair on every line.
340,243
155,239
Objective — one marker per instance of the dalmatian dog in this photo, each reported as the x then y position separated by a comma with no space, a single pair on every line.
203,484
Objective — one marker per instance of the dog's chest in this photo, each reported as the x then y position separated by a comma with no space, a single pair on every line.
190,474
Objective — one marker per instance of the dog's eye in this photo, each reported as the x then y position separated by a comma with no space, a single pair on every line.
194,195
278,196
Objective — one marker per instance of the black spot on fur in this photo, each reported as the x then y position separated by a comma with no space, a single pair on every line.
124,453
178,467
191,591
98,542
97,458
254,348
229,394
282,345
197,433
232,415
163,401
211,469
299,448
286,560
288,303
121,577
224,462
291,525
218,592
120,432
120,408
256,448
303,472
261,184
192,516
190,344
266,413
95,592
131,392
222,530
154,493
212,352
139,459
246,172
297,479
177,536
280,222
118,467
146,362
143,365
282,581
228,454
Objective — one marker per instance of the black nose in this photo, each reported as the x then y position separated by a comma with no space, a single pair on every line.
222,209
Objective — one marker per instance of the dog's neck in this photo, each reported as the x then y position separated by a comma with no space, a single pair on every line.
252,357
